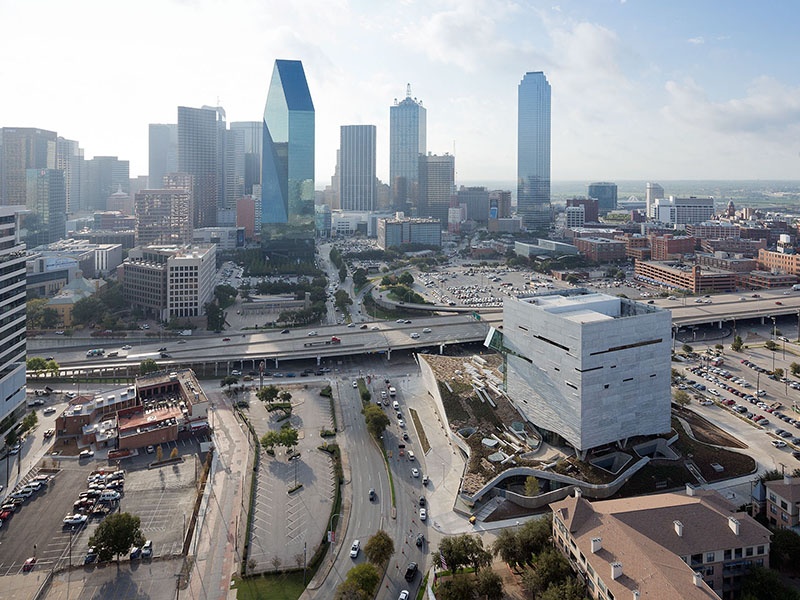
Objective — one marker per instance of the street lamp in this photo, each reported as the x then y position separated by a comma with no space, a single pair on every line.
773,341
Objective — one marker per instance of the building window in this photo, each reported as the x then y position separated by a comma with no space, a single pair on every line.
748,551
709,571
728,554
760,550
772,497
710,557
737,553
784,505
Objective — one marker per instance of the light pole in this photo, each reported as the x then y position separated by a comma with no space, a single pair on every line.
773,342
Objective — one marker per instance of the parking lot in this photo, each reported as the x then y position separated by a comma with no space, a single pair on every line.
161,496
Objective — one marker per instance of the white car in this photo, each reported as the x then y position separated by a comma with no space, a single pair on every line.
236,373
86,454
415,472
127,347
714,392
779,443
414,335
423,514
426,330
355,384
74,519
706,402
355,548
401,423
312,333
403,595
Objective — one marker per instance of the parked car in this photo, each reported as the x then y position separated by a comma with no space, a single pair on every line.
147,549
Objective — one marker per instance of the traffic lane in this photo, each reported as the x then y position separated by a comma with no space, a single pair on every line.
39,522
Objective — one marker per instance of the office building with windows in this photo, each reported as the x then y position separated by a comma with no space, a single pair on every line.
198,156
407,142
588,369
163,217
653,192
12,326
163,153
23,148
104,176
252,137
606,195
358,183
683,211
69,158
436,186
533,152
47,200
400,231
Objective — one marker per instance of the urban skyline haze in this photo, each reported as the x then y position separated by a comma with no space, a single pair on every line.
640,90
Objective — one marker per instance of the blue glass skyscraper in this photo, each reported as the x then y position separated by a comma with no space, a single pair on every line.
407,141
287,164
533,151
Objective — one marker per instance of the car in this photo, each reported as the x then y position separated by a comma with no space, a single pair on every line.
407,321
371,494
415,472
420,539
91,556
48,433
59,333
364,326
714,392
414,335
236,373
427,330
411,455
284,331
422,501
162,349
778,443
401,423
76,519
401,321
355,383
49,410
226,339
383,394
86,454
778,302
136,552
374,328
425,480
411,571
405,435
403,595
29,564
150,449
22,494
127,347
706,402
351,325
147,549
312,333
355,548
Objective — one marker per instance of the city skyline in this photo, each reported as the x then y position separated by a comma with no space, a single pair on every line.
640,90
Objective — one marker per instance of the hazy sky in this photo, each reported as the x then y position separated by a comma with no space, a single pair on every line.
641,89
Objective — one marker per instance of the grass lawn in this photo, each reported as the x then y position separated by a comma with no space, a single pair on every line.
288,586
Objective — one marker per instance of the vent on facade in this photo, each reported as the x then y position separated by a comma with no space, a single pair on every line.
697,579
597,545
734,525
689,489
616,570
678,527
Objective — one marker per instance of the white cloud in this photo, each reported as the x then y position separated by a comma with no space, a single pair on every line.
697,40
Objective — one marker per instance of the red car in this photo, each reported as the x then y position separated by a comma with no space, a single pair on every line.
226,339
5,515
28,566
779,303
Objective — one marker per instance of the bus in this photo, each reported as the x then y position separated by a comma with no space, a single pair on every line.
95,352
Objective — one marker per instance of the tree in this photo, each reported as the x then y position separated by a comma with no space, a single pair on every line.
116,534
681,398
360,277
29,421
761,583
379,548
365,577
770,345
687,349
531,486
778,372
225,295
718,347
159,453
148,365
406,279
348,590
215,316
285,396
88,310
36,364
268,394
550,568
462,550
174,453
377,420
489,585
229,381
784,549
795,369
737,344
458,588
12,437
342,273
571,589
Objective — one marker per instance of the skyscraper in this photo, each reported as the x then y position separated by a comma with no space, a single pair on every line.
163,158
287,167
533,151
23,148
163,216
253,138
357,177
12,307
198,148
407,141
69,158
606,195
436,186
47,199
653,192
104,176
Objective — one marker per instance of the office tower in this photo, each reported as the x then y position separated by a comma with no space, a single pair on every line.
590,211
12,307
198,156
23,148
234,167
499,204
476,199
69,156
652,193
436,186
606,195
407,142
47,199
253,138
163,216
163,157
357,178
589,369
533,151
683,211
287,173
104,176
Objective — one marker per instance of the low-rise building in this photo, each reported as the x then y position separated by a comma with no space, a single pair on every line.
779,262
601,249
783,502
664,546
680,276
400,231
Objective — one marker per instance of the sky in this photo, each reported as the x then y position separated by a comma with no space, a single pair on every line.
641,89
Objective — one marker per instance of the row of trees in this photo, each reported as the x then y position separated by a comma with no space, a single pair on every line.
361,580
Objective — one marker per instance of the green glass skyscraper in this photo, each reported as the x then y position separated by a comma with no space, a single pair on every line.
287,166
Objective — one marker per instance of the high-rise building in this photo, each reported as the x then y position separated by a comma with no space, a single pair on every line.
23,148
499,204
590,210
104,176
606,195
163,156
476,200
287,173
163,217
683,211
47,199
253,138
357,177
12,307
234,171
69,156
436,186
407,142
533,151
652,193
198,156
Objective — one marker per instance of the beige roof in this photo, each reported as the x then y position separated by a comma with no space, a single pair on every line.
640,534
788,491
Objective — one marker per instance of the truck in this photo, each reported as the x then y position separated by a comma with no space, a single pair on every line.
186,332
333,340
796,287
